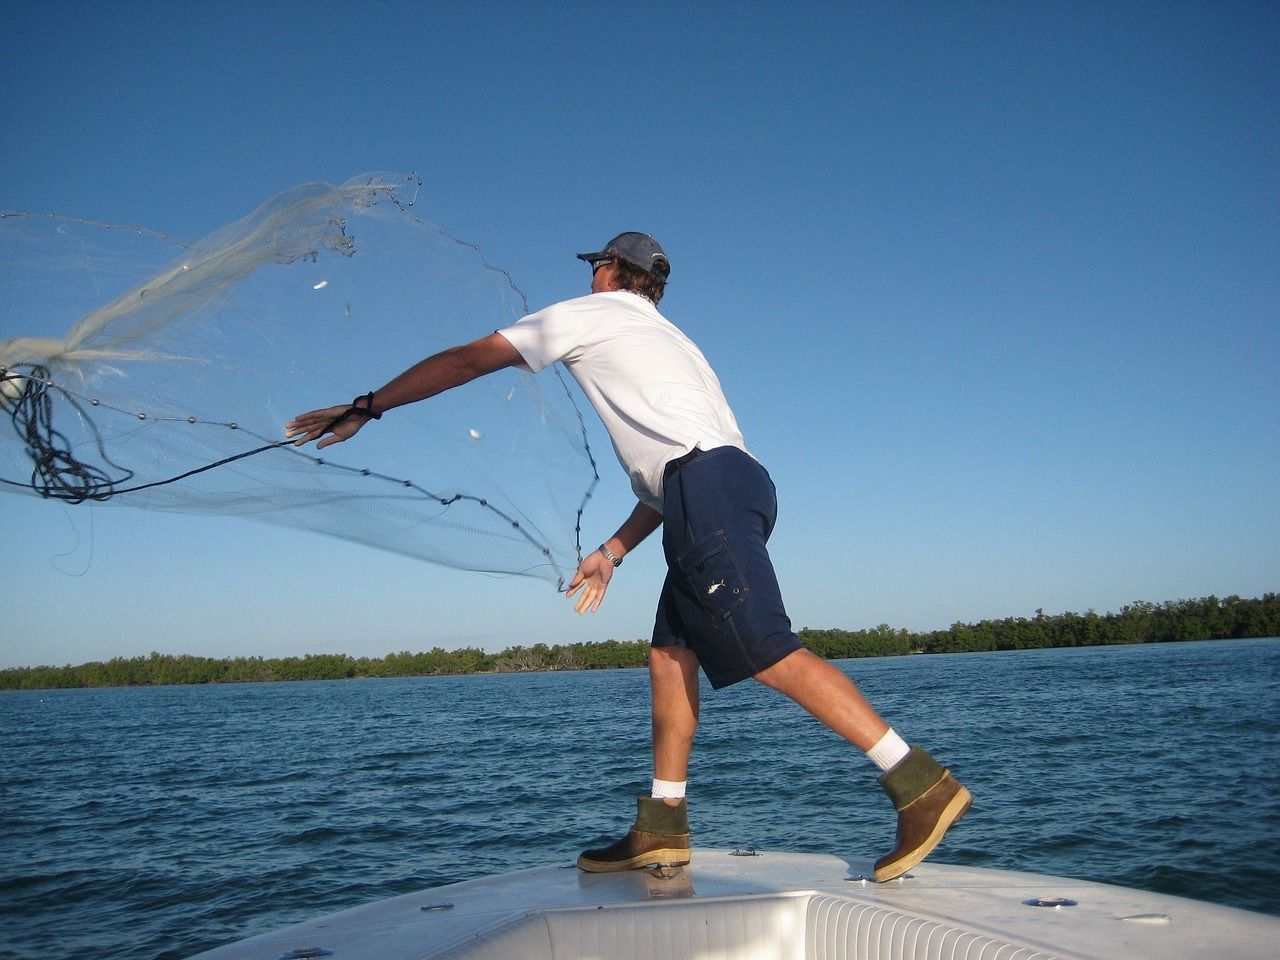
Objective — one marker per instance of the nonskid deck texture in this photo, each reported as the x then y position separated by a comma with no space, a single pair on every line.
772,906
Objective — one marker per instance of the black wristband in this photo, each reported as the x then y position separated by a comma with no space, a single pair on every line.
367,409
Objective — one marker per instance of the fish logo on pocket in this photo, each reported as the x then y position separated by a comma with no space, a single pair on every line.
714,587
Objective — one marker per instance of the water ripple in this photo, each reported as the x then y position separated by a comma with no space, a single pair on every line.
149,824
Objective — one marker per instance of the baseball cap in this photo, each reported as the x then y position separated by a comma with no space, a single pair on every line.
638,249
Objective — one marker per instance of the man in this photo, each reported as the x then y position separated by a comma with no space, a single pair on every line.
720,607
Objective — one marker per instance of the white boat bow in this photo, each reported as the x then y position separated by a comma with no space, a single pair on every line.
743,905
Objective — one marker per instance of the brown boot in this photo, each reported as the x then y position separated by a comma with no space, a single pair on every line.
660,836
928,800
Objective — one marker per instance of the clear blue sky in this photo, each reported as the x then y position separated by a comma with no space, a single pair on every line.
993,288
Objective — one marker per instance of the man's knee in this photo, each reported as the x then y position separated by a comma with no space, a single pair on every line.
673,685
672,662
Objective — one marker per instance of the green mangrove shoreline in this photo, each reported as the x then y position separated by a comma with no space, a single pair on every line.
1208,618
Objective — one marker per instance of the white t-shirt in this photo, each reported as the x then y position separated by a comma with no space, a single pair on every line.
650,384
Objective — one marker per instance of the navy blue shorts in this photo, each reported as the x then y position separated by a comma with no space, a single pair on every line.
721,598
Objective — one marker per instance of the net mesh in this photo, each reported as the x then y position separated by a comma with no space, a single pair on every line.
158,375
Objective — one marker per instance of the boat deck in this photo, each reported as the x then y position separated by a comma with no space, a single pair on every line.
740,905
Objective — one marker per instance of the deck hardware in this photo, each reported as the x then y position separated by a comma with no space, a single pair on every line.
745,852
1154,918
306,953
1054,902
433,907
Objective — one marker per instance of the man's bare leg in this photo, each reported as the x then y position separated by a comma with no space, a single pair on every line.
660,835
673,682
827,694
928,799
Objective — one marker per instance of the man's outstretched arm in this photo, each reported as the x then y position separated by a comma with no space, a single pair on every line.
436,374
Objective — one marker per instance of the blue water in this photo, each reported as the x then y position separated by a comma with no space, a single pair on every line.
154,823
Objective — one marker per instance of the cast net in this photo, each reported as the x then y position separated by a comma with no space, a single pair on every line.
158,375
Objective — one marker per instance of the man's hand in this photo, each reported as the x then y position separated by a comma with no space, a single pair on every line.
593,576
596,570
307,426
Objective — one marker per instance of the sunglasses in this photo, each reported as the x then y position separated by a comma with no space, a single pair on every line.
597,264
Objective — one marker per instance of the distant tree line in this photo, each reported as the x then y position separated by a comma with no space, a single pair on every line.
1208,618
163,668
1205,619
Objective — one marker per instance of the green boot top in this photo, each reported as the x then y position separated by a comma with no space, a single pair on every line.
912,777
654,816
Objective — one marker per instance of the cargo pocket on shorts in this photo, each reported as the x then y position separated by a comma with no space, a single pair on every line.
712,572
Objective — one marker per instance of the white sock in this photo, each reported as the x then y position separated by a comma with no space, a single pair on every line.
888,751
667,789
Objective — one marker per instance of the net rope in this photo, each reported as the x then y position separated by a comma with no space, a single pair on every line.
58,475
